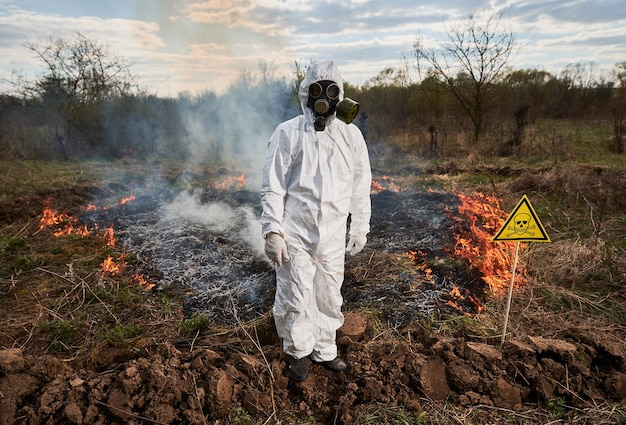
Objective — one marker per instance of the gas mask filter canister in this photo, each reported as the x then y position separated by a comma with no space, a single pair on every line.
347,110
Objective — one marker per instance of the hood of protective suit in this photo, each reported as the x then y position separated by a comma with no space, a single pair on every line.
317,71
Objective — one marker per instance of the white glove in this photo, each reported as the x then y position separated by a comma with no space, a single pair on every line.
356,244
276,248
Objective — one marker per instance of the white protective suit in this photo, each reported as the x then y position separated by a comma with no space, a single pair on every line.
312,180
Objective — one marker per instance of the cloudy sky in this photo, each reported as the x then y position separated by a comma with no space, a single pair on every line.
194,45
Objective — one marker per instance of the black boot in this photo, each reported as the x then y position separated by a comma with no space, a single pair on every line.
336,365
298,368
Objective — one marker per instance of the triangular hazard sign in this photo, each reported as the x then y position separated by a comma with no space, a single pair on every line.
523,225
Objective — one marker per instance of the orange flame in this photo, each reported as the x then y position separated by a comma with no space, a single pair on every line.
109,235
477,303
70,226
141,280
485,218
230,183
52,218
479,218
385,183
418,258
111,266
456,293
124,201
69,223
376,187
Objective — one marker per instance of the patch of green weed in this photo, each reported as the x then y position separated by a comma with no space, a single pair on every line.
120,334
130,295
556,407
63,332
14,244
195,324
239,416
25,263
168,304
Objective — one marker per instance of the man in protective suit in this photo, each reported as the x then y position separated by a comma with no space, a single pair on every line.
316,173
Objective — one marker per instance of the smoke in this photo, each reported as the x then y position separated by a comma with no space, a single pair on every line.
212,245
214,249
218,217
233,129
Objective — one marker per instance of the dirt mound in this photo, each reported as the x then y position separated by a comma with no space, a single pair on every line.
180,386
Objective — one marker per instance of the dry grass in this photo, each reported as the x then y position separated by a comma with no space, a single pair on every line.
62,302
576,264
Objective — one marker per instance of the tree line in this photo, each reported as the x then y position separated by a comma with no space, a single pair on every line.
423,116
459,98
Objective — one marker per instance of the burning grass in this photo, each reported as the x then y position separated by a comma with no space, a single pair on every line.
480,218
110,330
65,224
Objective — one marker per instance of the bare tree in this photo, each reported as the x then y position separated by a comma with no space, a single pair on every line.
79,76
469,64
83,69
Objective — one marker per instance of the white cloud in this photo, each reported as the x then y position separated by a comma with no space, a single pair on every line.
199,45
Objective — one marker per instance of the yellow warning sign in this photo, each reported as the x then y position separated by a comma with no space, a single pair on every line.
523,225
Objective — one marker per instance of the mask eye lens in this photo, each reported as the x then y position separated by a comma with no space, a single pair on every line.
315,90
332,91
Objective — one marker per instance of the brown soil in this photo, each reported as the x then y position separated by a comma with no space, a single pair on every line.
556,368
175,385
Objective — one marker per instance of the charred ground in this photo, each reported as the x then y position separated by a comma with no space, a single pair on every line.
79,345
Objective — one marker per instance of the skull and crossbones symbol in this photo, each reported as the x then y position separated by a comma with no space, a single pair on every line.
521,226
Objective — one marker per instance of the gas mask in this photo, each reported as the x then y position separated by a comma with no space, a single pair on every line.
324,102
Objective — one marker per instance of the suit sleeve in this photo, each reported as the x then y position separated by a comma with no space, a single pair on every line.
360,204
274,185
